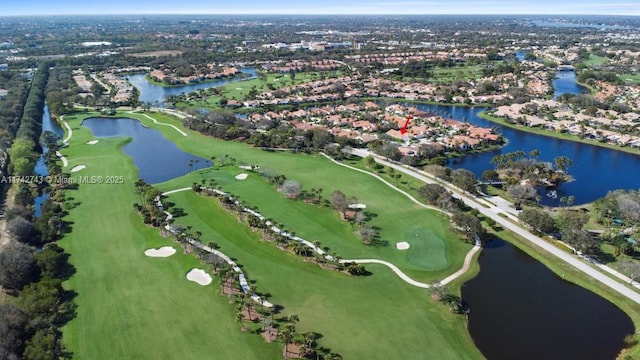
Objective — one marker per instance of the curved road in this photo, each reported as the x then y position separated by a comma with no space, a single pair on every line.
496,213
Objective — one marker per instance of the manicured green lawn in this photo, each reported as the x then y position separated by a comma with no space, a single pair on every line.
632,79
595,60
131,306
471,72
440,251
371,317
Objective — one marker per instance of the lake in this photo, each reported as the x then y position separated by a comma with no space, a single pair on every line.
156,95
522,310
157,158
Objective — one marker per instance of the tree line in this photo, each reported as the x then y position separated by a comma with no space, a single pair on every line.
37,305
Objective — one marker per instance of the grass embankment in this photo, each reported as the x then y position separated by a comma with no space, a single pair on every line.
118,285
563,136
131,306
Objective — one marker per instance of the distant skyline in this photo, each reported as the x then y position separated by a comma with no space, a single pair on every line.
379,7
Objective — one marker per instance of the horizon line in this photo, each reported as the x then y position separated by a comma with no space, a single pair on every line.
313,14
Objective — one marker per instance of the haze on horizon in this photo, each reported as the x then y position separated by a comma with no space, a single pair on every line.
332,7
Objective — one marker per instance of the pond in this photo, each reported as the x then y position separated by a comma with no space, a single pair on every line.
157,158
522,310
156,95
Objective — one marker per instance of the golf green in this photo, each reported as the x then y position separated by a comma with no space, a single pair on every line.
427,250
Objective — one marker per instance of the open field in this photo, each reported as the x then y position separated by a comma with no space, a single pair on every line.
595,60
157,312
443,75
630,79
131,306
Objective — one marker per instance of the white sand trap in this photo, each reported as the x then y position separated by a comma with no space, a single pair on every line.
77,168
242,176
92,142
164,251
246,167
199,276
238,88
402,245
357,206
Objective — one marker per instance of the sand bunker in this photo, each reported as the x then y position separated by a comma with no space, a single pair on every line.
199,276
242,176
402,245
164,251
77,168
246,167
357,206
92,142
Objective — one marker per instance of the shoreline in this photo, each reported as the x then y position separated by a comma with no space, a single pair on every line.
151,80
561,136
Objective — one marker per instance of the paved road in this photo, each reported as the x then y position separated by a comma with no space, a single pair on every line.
492,211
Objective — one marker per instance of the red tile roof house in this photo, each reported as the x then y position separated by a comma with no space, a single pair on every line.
395,134
407,151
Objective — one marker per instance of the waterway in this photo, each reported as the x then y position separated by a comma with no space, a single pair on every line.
157,158
565,83
156,95
595,170
50,125
522,310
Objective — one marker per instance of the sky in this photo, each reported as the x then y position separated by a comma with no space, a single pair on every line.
75,7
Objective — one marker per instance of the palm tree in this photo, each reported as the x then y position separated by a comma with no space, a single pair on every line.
308,338
286,336
293,319
240,318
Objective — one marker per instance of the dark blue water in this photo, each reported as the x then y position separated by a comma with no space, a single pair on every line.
522,310
51,125
565,83
157,158
156,95
596,170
